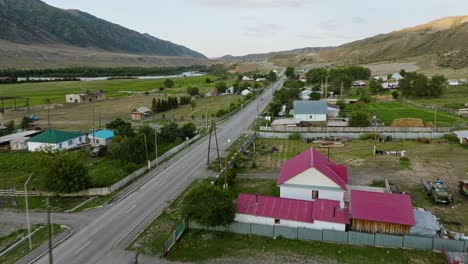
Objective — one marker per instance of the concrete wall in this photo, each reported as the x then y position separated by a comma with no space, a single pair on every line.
36,146
355,135
305,193
244,218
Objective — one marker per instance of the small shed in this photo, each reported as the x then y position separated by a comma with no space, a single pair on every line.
387,213
140,113
101,137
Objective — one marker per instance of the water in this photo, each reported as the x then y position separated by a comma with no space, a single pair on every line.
87,79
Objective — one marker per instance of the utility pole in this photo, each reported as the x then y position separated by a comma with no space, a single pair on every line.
48,112
146,150
341,91
94,129
217,146
156,145
49,223
27,211
213,129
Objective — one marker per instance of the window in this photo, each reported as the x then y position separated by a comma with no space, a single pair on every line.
310,117
60,145
315,194
79,139
277,221
70,142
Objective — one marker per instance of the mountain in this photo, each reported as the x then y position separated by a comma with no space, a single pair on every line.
34,23
445,39
272,55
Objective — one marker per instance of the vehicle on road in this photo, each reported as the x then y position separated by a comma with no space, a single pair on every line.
463,187
98,151
438,191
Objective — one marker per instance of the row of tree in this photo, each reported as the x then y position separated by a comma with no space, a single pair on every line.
165,104
419,85
339,79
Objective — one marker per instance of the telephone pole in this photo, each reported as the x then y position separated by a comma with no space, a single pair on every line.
49,224
213,129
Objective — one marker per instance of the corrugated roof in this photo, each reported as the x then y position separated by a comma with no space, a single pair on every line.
22,134
312,158
292,209
310,107
382,207
54,136
105,134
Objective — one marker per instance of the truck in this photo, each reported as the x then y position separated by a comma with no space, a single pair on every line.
438,191
463,187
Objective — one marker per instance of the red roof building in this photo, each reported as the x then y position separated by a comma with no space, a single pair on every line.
318,214
389,213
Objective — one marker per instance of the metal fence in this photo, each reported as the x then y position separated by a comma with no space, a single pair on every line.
368,130
342,237
172,240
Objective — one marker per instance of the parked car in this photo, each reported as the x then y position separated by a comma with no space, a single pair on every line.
438,190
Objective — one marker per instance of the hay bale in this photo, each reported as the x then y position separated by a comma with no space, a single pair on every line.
408,122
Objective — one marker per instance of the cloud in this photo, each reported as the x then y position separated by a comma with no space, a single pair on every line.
250,3
262,30
330,24
359,20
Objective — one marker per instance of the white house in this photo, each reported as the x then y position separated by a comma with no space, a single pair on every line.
230,90
310,111
305,95
396,76
462,136
247,78
101,137
310,176
333,111
269,210
56,140
453,82
245,92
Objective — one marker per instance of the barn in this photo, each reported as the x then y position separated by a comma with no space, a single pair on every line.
387,213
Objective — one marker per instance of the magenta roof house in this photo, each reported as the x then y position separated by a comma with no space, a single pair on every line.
310,175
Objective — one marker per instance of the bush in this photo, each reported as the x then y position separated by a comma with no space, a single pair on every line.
395,95
369,136
359,119
451,138
295,136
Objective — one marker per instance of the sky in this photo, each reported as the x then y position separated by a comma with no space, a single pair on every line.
238,27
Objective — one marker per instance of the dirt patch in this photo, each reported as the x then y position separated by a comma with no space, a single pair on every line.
408,122
387,68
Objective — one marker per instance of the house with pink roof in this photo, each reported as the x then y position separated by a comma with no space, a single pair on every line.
269,210
310,175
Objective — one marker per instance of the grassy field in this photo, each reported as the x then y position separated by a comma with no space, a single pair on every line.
389,111
455,97
38,239
56,91
200,245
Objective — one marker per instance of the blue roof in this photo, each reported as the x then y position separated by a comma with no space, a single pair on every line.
105,134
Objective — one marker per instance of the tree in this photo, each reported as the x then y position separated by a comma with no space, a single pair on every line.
188,130
26,123
63,172
275,108
395,95
272,77
437,85
221,87
315,96
403,72
122,128
414,85
168,83
154,105
290,73
317,76
209,205
359,119
192,91
375,87
340,77
207,80
193,104
358,72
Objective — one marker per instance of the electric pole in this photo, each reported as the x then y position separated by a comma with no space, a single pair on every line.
146,150
49,223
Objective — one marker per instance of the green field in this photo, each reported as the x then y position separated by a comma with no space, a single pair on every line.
201,245
56,91
388,111
455,97
23,249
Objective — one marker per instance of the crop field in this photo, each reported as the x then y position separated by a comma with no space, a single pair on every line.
388,111
455,97
56,91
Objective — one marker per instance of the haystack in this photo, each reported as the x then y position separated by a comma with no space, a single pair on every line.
408,122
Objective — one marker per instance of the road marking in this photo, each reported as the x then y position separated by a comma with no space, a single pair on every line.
131,208
83,247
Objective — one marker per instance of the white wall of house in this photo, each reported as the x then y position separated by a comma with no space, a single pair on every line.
311,117
333,113
72,143
252,219
312,177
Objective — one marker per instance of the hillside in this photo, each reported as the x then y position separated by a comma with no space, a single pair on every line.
273,55
34,23
446,39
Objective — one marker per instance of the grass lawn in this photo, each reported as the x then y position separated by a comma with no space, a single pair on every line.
388,111
56,91
38,203
200,245
22,250
455,97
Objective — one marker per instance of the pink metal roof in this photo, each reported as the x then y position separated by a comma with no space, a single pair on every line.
383,207
330,211
291,209
312,158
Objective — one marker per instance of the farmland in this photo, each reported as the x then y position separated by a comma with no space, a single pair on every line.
388,111
56,91
455,97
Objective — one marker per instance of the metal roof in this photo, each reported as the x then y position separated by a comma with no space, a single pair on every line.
22,134
104,134
54,136
310,107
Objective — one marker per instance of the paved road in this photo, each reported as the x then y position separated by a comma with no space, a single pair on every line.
116,226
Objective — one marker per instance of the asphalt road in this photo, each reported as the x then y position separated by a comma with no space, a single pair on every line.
117,226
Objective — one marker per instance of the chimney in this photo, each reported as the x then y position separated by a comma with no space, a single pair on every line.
256,198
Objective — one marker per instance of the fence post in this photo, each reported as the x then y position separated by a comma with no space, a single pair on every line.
250,229
297,233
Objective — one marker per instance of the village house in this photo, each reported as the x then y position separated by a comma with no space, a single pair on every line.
246,92
140,113
85,97
56,140
310,176
462,136
17,141
101,137
310,111
333,111
387,213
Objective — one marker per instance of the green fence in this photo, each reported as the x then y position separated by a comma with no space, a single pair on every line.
334,236
172,240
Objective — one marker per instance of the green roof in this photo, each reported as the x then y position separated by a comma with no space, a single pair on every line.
54,136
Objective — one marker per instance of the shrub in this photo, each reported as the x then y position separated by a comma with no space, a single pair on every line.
451,138
295,136
369,136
